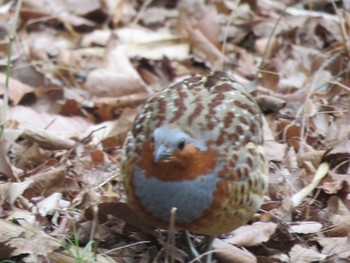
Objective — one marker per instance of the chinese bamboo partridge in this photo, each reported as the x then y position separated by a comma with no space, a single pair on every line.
197,146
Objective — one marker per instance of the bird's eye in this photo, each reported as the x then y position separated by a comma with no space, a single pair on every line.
181,145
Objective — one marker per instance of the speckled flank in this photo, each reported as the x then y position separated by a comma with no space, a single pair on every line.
197,145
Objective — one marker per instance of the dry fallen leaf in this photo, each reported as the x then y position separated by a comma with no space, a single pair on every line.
51,122
252,235
51,203
142,42
228,253
299,254
81,71
17,89
338,246
305,227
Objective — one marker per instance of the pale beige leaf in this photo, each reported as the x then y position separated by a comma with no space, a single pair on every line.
51,203
299,254
142,42
117,77
47,139
17,89
49,181
338,246
252,235
51,122
5,168
16,189
231,254
306,227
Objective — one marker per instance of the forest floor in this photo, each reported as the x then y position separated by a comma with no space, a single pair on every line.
80,73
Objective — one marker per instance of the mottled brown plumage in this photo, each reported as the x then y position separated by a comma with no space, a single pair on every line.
197,146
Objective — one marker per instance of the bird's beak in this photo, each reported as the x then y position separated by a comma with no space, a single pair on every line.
161,153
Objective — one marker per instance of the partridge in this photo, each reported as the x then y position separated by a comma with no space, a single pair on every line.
197,146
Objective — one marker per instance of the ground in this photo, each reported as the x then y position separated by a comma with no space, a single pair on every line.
74,76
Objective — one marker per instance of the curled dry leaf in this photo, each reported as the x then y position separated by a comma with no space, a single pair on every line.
16,189
48,122
200,43
131,100
43,45
33,242
142,42
48,182
117,77
291,159
299,254
334,182
25,72
20,240
47,139
29,156
338,246
51,203
157,15
338,157
270,104
227,253
17,89
275,151
112,133
314,157
5,168
106,83
252,235
321,121
268,45
297,80
63,11
291,133
98,37
340,227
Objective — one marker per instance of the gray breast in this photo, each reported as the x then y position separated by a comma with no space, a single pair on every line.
190,198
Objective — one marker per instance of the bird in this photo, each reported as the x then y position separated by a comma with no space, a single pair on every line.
197,146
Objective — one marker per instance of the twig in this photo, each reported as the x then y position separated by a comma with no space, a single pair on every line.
308,95
141,11
224,41
12,34
262,64
170,248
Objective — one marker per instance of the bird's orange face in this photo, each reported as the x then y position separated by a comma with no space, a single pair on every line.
183,164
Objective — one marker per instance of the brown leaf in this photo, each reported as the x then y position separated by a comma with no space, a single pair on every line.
70,108
338,157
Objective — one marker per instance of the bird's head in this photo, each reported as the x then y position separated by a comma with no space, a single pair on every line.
169,143
174,153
